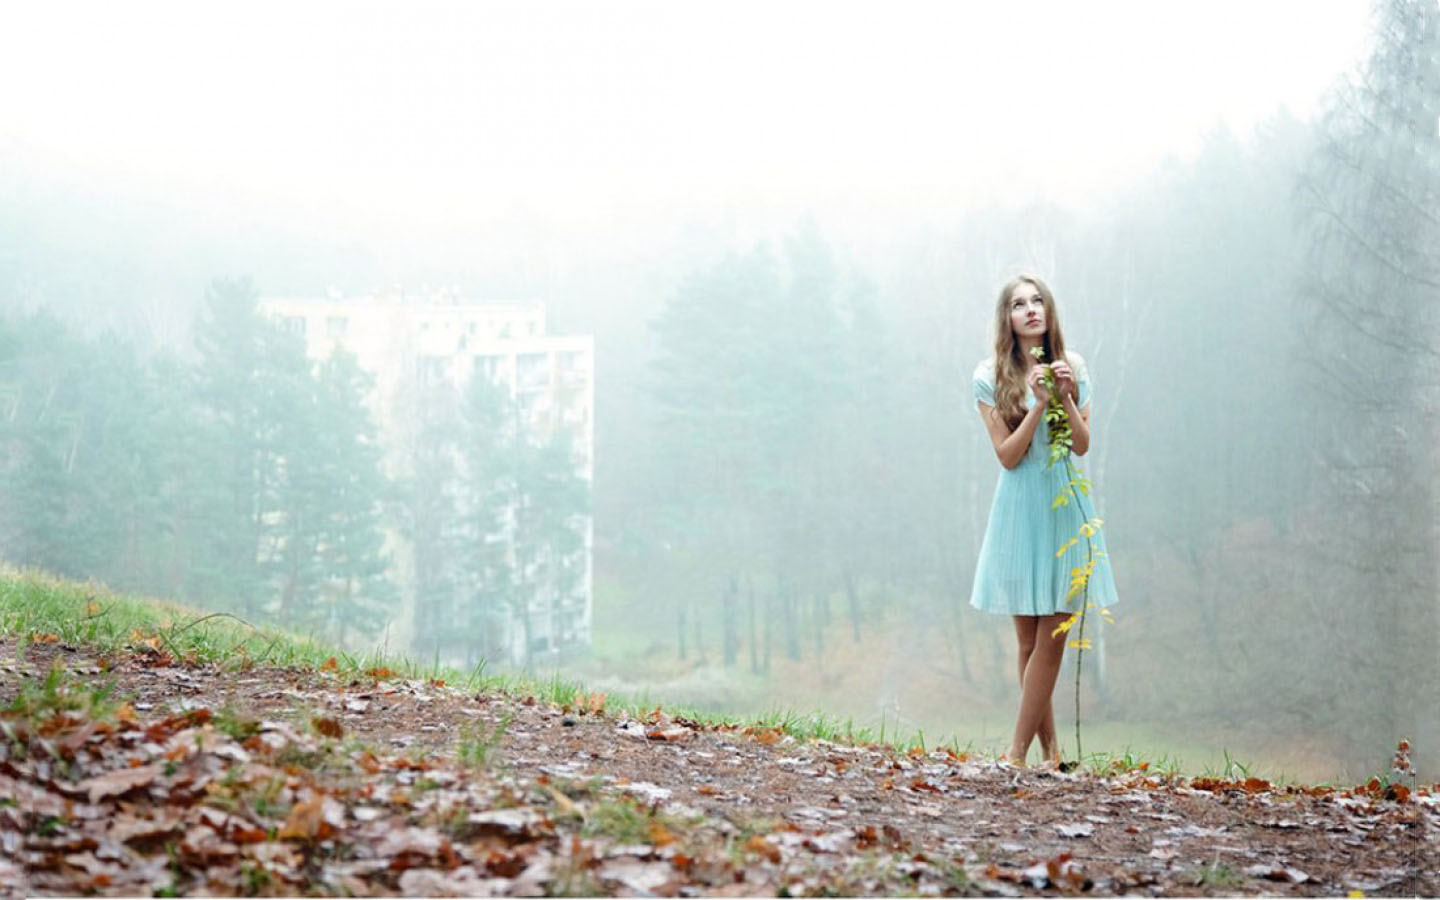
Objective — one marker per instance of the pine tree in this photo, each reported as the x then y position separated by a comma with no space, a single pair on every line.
355,590
224,522
488,491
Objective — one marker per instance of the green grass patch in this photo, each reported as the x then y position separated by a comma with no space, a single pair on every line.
36,606
1217,878
477,743
58,692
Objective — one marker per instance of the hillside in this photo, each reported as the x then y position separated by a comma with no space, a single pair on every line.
137,766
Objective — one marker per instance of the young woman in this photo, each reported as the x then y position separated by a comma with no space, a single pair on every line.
1018,573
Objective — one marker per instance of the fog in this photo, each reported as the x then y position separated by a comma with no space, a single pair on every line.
785,231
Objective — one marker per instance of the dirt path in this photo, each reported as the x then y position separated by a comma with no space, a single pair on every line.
275,782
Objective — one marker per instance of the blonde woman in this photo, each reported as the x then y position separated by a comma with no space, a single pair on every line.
1018,573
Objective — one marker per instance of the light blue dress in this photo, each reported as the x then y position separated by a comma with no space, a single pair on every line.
1018,572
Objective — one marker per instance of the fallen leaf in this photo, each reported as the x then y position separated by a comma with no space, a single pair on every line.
1078,830
762,847
514,823
306,820
1277,873
120,781
673,733
766,736
328,727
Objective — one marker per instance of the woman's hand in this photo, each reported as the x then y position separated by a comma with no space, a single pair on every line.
1036,380
1065,379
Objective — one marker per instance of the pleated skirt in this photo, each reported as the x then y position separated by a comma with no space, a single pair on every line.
1018,572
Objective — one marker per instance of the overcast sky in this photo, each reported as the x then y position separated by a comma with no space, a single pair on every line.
416,114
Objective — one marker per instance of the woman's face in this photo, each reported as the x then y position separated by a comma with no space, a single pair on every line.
1027,311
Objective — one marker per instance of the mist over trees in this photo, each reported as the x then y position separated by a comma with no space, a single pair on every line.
791,477
1370,197
247,480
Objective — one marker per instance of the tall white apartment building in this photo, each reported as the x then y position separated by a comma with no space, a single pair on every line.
411,344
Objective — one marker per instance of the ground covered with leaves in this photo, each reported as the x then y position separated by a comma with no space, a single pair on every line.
131,772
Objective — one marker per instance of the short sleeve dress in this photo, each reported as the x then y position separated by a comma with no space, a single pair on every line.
1018,572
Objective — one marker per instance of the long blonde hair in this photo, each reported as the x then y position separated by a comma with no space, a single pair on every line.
1009,365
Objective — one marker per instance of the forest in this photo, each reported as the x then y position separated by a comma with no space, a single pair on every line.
791,480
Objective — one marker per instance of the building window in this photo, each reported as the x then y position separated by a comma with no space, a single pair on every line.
433,369
532,369
293,324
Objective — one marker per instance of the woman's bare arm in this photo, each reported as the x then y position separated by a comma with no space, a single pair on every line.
1011,446
1079,425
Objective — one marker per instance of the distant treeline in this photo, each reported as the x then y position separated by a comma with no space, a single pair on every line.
251,479
1261,325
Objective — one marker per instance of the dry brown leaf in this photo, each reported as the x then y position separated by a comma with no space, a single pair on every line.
1397,792
766,736
673,733
1277,873
120,781
32,798
328,727
416,847
762,847
330,665
307,820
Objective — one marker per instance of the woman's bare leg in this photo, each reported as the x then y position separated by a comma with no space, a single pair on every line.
1027,630
1039,668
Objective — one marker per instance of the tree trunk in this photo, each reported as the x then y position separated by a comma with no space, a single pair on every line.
698,620
680,626
769,625
730,622
853,601
789,605
754,633
821,618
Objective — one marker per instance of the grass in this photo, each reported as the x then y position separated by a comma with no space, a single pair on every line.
1218,878
231,722
59,693
36,606
477,742
1127,761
